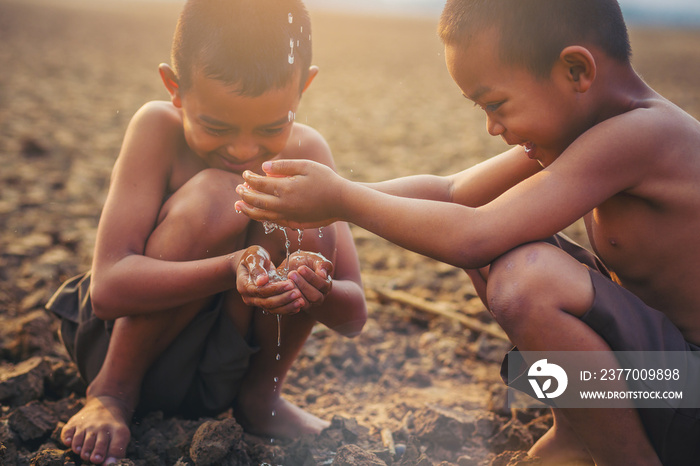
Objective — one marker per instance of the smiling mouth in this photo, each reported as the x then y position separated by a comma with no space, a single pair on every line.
529,149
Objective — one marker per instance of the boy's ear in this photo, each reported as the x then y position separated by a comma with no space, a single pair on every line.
313,71
580,67
167,74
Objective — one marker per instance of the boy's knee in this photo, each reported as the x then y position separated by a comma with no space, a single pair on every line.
205,192
206,198
202,210
518,279
536,277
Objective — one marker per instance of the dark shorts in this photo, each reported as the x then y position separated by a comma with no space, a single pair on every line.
627,324
198,374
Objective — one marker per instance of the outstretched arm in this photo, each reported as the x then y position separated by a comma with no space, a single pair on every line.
396,209
473,187
314,195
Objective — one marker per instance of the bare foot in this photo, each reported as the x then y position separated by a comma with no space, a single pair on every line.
560,447
99,432
281,420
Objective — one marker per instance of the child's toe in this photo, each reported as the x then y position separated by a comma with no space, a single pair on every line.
100,449
67,435
77,442
118,442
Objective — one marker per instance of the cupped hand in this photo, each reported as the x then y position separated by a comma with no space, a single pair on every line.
256,289
311,273
295,193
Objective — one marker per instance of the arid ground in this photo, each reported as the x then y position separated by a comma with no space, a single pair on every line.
420,385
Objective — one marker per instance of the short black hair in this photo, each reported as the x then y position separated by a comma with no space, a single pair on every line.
534,32
256,45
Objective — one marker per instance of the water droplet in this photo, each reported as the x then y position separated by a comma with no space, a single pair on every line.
291,59
290,115
279,328
274,413
278,357
320,232
291,18
291,43
276,379
270,227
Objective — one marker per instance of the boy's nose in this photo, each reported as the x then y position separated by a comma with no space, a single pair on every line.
493,127
243,149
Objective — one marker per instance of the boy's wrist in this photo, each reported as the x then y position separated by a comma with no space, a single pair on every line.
234,260
348,193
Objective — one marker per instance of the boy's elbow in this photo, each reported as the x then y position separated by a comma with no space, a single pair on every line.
101,302
354,325
352,328
476,254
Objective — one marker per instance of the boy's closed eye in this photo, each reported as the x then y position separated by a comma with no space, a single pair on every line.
490,107
487,107
215,131
274,131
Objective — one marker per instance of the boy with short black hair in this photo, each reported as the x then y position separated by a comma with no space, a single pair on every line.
172,314
590,139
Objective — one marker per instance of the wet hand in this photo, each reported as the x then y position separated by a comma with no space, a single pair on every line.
258,290
295,193
311,273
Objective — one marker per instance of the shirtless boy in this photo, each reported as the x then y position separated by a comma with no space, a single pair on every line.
590,139
171,316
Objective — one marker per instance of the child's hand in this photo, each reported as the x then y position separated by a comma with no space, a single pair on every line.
311,273
296,193
256,289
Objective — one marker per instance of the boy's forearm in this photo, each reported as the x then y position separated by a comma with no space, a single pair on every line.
432,187
138,284
444,231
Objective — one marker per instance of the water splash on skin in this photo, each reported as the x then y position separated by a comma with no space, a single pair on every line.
269,228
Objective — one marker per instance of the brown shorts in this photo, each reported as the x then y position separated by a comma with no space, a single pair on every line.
198,374
627,324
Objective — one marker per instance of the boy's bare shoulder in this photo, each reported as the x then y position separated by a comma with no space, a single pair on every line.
158,114
306,142
643,133
154,130
152,144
